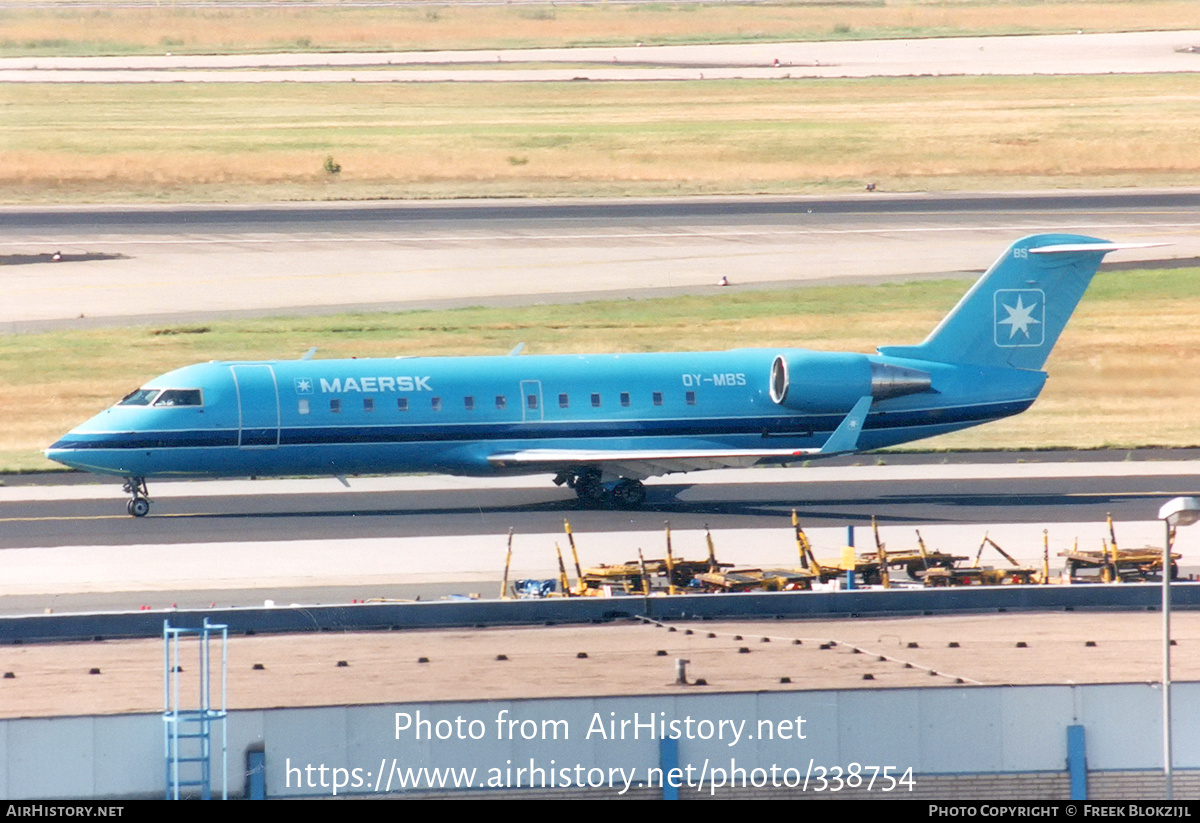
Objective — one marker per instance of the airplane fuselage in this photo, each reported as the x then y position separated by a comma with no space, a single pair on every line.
453,415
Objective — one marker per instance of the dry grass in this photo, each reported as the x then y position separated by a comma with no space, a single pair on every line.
75,29
402,140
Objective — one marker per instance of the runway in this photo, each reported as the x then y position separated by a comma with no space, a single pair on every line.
135,265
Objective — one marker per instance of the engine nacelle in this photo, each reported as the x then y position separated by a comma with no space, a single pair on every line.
833,382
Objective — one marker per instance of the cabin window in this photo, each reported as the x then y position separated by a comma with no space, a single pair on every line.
179,397
595,401
531,401
436,402
691,398
624,398
368,404
402,404
564,401
335,405
657,396
500,401
141,397
303,405
469,403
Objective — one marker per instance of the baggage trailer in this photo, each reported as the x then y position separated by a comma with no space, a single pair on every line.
1115,565
976,575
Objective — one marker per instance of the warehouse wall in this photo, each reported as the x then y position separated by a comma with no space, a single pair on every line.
958,742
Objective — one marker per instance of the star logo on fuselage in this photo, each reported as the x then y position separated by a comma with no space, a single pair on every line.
304,385
1019,316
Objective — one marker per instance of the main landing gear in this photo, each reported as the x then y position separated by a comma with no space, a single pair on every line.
139,501
595,494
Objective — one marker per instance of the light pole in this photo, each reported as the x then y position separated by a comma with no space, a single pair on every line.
1181,511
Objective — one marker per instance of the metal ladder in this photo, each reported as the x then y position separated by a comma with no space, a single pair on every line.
188,732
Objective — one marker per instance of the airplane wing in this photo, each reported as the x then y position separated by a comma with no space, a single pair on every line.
639,464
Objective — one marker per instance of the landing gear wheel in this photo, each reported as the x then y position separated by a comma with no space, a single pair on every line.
629,494
589,489
138,504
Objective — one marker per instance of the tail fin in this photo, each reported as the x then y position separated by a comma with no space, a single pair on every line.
1014,314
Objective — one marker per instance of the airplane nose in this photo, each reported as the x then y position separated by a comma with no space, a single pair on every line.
79,450
63,451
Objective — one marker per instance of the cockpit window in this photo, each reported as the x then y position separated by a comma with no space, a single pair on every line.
179,397
141,397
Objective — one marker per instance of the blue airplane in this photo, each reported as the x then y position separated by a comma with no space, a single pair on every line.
600,424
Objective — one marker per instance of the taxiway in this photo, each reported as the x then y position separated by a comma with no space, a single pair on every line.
72,547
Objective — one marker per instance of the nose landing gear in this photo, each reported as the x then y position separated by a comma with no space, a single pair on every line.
138,504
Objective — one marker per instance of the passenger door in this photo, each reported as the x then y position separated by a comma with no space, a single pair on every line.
258,406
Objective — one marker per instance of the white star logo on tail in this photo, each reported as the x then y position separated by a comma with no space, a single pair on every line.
1019,316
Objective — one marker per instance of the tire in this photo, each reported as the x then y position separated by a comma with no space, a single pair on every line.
629,494
139,507
590,492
